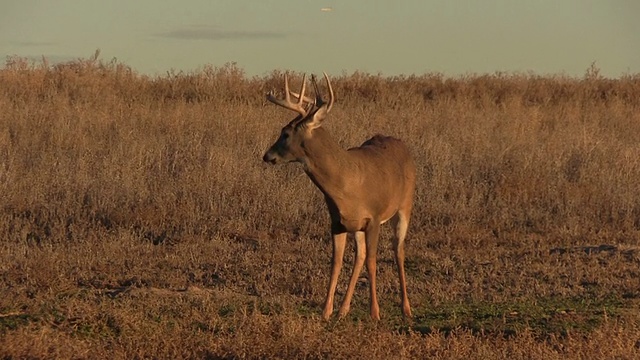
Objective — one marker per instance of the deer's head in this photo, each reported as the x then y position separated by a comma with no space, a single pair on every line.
311,113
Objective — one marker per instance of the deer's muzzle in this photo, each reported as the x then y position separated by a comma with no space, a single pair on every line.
270,158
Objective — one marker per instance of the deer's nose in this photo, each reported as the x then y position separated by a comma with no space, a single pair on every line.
269,157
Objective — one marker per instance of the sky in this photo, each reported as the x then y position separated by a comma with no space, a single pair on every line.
453,37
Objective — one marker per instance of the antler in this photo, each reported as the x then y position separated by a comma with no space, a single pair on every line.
286,102
318,101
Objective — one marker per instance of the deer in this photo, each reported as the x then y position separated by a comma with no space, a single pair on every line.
363,188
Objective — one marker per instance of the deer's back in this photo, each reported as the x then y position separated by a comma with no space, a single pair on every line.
386,163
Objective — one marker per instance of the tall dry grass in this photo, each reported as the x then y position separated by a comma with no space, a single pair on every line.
137,218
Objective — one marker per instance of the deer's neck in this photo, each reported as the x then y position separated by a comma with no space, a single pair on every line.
326,162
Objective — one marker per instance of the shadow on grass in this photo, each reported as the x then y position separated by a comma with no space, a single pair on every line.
544,317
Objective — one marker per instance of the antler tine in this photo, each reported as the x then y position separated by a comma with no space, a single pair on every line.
302,90
287,98
306,98
331,96
303,98
318,100
286,102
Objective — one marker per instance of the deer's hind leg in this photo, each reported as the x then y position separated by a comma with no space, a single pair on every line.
400,223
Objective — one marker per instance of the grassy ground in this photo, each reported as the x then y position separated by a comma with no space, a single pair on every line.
137,219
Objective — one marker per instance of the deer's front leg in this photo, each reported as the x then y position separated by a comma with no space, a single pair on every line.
361,248
339,243
372,233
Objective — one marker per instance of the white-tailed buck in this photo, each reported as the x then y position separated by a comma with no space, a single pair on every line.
363,187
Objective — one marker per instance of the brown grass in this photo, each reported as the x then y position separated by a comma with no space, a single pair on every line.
137,219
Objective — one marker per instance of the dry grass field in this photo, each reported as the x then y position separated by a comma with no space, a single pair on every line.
137,219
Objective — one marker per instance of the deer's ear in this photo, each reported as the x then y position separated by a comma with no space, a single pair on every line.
315,121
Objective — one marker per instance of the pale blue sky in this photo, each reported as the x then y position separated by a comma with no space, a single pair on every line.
391,37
